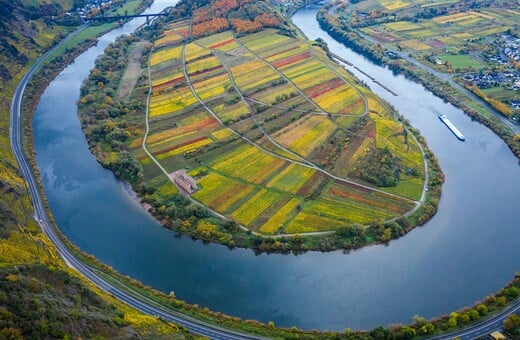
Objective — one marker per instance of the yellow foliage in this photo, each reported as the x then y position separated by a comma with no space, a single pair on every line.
297,129
308,73
215,191
22,248
313,138
202,64
253,74
415,44
402,26
12,278
165,54
196,52
264,40
206,227
8,175
291,178
280,218
185,148
212,87
167,136
171,102
308,223
149,325
360,152
222,134
235,160
262,200
341,100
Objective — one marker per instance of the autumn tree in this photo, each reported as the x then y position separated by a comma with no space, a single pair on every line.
210,27
246,26
222,7
268,20
512,325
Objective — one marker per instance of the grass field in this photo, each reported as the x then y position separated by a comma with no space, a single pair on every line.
462,61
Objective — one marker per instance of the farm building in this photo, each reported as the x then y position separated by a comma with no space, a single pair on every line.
184,181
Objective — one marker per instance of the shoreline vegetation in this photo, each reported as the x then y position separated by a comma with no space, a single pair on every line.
420,326
378,54
114,130
41,296
394,332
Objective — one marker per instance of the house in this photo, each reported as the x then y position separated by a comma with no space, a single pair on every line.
184,181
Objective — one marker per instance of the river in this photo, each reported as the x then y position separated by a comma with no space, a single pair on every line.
468,250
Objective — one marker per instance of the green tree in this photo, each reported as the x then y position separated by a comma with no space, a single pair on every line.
9,333
482,309
428,328
387,235
452,322
379,333
125,166
464,318
512,325
473,314
419,321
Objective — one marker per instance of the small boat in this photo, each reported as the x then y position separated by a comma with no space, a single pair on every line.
452,127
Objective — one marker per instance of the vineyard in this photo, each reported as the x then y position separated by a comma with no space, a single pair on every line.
273,135
271,130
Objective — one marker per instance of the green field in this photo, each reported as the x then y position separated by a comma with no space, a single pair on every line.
462,61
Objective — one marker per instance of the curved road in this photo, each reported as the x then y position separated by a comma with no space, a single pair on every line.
483,328
135,299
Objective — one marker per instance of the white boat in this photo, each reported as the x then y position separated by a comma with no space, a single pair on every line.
452,127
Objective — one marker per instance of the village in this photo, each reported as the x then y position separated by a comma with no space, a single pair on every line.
502,79
509,79
94,7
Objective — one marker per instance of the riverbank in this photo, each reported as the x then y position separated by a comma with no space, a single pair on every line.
228,232
442,89
34,277
212,276
81,40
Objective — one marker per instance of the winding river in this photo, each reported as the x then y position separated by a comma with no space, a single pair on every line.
468,250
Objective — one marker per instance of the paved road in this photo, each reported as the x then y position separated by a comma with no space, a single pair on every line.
135,300
484,327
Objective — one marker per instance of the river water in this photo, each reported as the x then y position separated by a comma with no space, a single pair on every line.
468,250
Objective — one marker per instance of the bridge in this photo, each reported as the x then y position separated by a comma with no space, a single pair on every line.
123,17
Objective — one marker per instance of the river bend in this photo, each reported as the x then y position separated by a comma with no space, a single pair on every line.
467,251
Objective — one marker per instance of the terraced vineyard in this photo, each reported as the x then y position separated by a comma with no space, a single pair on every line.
274,134
254,122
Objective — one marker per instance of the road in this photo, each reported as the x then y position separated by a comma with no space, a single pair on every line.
448,78
134,299
484,327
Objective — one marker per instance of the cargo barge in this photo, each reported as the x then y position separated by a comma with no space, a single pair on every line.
452,127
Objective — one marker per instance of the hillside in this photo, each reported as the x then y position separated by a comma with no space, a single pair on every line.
248,120
22,37
39,296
